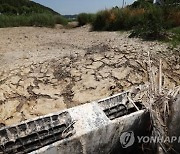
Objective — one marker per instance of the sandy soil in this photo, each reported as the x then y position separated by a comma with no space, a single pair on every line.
46,70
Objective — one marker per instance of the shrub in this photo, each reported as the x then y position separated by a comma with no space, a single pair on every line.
12,21
142,4
41,20
175,39
60,20
132,17
36,19
152,25
101,20
171,16
85,18
174,17
150,22
117,19
144,19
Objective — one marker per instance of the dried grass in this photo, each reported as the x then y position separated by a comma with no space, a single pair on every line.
158,103
157,100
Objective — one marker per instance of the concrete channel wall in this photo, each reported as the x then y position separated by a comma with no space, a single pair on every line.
92,128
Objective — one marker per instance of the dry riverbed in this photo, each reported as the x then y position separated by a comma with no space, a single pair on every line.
45,70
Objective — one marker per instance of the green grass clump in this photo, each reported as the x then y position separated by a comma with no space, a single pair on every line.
143,19
28,13
152,25
117,19
36,19
61,20
21,7
100,21
175,38
41,20
85,18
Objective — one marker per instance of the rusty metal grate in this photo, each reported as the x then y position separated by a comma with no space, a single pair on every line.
114,107
32,135
116,111
118,106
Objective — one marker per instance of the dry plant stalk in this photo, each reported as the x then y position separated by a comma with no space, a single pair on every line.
160,77
159,104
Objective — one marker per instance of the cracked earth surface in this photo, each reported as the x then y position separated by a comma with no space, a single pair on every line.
46,70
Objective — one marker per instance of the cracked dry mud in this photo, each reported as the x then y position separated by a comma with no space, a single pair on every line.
46,70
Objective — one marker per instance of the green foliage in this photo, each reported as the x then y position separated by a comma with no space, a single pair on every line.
27,13
152,25
60,20
171,1
100,21
85,18
175,39
142,4
22,7
142,18
117,19
171,16
41,19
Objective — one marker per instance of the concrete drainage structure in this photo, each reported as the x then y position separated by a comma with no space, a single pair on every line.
92,128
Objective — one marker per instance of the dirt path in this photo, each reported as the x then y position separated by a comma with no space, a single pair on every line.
45,70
